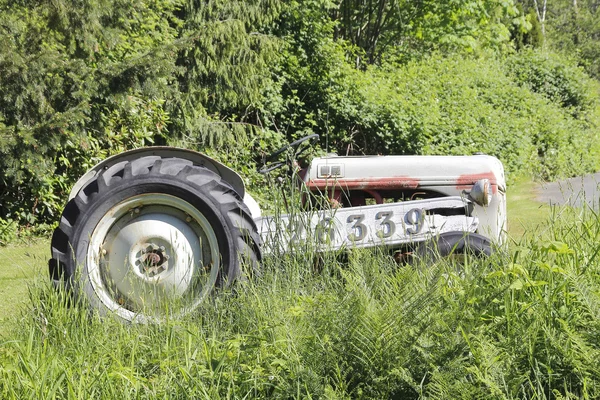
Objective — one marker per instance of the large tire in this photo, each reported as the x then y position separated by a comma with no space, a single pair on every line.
153,237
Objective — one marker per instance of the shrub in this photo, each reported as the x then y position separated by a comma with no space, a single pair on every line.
7,231
555,77
86,81
458,105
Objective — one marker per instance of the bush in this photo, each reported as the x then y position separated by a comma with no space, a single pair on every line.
458,105
7,231
80,82
556,78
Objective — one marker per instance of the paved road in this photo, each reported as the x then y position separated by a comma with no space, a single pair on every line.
574,191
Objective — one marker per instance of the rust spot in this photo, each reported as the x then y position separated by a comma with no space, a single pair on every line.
153,258
465,182
396,182
302,173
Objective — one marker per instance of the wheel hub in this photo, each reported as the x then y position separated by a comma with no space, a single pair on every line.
153,252
152,260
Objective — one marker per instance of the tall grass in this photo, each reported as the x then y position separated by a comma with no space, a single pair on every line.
522,324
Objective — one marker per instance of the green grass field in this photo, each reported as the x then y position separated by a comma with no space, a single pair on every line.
520,325
19,265
525,213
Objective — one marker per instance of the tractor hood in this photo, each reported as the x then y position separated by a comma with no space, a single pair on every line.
411,172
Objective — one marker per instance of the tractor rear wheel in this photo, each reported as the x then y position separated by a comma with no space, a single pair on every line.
153,237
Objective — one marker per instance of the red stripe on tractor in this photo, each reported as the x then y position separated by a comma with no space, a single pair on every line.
403,182
465,182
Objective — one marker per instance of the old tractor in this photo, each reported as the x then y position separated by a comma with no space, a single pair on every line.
158,229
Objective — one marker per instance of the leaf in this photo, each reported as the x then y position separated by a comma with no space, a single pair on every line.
495,274
557,248
536,283
517,270
516,285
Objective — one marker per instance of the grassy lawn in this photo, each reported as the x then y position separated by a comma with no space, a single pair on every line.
525,213
19,264
361,328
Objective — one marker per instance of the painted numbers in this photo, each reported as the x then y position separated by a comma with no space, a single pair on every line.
414,221
326,230
362,226
359,230
384,225
388,227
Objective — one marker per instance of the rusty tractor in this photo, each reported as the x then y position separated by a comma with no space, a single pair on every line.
156,230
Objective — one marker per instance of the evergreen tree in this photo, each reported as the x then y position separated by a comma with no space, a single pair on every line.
83,80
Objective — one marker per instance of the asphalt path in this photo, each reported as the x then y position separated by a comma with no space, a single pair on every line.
573,191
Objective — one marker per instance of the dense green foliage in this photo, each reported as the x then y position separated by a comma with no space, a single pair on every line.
574,28
75,84
80,82
237,79
535,117
518,325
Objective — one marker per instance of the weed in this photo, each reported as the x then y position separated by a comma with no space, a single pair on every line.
518,325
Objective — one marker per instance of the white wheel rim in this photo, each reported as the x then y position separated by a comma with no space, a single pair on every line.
152,255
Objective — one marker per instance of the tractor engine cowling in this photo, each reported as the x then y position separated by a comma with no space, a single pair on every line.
367,180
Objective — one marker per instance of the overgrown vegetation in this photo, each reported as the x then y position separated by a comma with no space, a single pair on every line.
238,79
513,78
518,325
533,114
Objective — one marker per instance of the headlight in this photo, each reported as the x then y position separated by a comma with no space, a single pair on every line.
481,192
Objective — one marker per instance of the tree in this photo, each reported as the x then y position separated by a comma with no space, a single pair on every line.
571,27
574,27
404,26
226,67
81,81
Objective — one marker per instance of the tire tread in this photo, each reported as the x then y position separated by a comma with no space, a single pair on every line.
244,240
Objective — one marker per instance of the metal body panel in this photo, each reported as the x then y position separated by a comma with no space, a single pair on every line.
391,224
446,175
253,206
196,158
383,172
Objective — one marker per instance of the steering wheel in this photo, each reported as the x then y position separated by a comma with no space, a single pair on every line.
271,164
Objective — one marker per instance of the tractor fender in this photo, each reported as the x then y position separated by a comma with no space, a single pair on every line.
199,159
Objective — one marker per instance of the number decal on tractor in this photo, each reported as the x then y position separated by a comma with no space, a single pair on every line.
415,218
326,230
388,227
383,224
359,230
297,231
361,227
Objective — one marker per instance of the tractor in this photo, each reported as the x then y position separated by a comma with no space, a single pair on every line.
156,230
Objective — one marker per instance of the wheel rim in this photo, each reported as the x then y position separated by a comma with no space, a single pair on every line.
152,255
